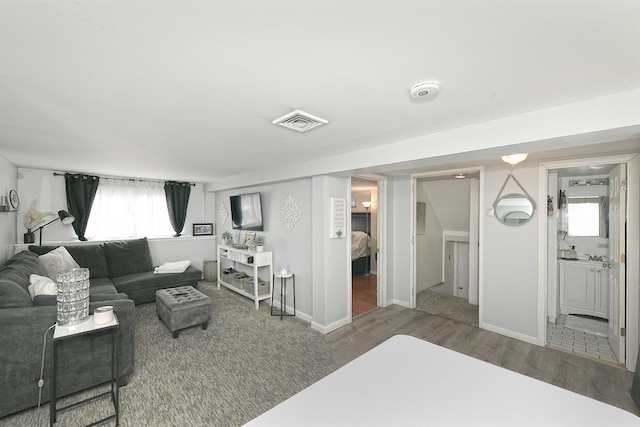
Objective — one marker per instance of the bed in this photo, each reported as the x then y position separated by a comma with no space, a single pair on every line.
406,381
360,243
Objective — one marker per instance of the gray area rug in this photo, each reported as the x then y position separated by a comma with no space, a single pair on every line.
245,363
448,306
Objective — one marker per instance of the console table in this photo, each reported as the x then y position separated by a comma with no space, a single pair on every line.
251,261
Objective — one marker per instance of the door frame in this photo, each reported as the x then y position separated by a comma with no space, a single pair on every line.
449,173
633,245
381,269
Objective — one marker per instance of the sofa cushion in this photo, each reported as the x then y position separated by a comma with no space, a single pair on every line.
128,257
89,256
101,285
13,296
19,267
149,280
57,260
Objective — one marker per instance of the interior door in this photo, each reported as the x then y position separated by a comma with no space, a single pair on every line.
617,244
449,258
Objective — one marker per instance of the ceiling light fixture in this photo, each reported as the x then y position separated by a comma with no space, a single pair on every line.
460,175
424,91
514,159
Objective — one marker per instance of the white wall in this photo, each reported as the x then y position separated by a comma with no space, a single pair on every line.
50,195
399,236
290,247
49,192
509,293
8,182
332,281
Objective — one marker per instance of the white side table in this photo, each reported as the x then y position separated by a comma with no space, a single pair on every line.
87,326
283,294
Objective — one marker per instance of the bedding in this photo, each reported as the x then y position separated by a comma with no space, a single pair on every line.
359,244
406,381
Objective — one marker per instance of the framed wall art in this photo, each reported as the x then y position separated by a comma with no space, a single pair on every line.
205,229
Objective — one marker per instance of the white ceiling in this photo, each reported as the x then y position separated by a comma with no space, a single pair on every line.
187,90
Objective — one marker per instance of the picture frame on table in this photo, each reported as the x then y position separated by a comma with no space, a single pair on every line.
249,237
203,229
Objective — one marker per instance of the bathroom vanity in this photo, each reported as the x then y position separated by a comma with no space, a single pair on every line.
584,288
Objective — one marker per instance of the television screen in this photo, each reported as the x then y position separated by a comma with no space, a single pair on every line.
246,212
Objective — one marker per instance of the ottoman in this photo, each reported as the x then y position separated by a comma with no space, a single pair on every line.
183,307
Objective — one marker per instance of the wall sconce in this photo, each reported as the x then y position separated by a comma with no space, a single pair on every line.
514,159
65,217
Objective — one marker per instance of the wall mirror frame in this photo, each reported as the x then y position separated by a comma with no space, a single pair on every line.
513,209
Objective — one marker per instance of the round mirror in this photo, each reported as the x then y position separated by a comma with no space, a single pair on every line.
514,209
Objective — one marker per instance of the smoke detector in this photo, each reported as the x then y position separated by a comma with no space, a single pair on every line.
424,91
300,121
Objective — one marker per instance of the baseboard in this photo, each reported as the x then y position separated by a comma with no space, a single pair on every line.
510,334
399,302
299,314
329,328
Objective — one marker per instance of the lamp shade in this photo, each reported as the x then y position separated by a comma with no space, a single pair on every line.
66,218
366,204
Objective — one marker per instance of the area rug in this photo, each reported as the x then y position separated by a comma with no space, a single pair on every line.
449,306
243,364
588,325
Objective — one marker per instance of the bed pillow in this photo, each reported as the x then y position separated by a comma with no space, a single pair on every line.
42,285
128,257
56,260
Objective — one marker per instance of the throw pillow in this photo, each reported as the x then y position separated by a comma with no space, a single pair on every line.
128,257
56,260
41,285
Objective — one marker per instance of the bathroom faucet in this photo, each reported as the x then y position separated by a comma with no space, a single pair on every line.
594,257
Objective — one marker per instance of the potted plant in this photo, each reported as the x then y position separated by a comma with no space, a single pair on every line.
227,238
31,220
259,243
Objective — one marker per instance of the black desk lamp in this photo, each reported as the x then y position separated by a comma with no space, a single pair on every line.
65,217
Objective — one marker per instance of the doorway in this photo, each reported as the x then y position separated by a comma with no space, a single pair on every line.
586,302
364,245
445,245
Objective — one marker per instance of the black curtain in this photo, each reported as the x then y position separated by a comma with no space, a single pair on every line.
81,190
177,194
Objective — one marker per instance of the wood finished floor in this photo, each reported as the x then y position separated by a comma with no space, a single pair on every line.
363,294
600,381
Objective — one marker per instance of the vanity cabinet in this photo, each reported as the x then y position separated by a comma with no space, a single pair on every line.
584,288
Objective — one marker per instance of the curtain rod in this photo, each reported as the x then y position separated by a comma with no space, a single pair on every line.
114,177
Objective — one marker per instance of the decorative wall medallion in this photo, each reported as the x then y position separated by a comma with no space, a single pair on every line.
289,213
222,215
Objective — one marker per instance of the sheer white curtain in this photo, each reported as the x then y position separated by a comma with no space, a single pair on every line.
128,208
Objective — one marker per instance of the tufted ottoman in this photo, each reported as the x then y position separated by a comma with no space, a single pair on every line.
183,307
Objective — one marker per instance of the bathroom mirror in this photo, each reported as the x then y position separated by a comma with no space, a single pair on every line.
514,209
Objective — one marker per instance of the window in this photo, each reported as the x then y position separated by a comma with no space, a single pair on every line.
128,208
587,216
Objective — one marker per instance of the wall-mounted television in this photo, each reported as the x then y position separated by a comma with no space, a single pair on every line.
246,212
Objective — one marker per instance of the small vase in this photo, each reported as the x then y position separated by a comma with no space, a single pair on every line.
259,248
29,236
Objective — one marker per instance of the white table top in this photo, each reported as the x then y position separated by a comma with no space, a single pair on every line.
406,381
87,325
281,275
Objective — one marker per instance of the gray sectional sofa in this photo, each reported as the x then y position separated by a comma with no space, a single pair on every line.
125,267
121,276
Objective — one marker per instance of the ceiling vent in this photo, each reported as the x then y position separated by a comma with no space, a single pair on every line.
300,121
